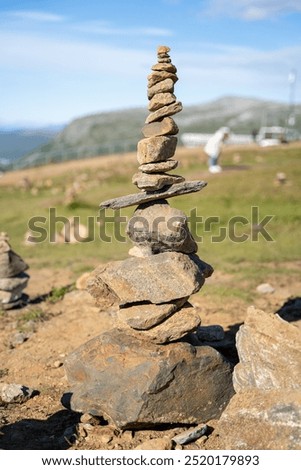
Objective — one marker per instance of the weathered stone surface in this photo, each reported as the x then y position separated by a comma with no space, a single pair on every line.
263,420
140,251
11,283
134,199
269,351
158,279
191,435
163,50
155,181
157,77
166,126
166,67
158,167
175,383
174,327
160,100
7,297
168,110
165,86
145,316
11,264
156,149
15,393
161,227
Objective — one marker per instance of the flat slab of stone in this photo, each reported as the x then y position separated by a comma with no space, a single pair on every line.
175,327
158,76
145,316
161,99
158,167
168,110
166,67
134,199
269,350
165,86
11,283
166,126
157,279
135,384
11,264
155,181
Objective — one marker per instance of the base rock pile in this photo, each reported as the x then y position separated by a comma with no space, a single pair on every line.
13,279
144,371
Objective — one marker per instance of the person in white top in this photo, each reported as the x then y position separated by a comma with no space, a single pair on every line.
213,148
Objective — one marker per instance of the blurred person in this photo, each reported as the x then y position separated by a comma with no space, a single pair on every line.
213,148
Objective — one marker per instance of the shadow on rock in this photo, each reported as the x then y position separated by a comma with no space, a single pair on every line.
56,432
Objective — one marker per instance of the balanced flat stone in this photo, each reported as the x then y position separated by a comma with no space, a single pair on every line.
166,67
168,110
134,383
166,126
11,264
157,279
155,181
160,100
145,316
165,86
156,149
186,187
11,283
157,77
159,166
175,327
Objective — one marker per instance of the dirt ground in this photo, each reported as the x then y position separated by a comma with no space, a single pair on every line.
35,340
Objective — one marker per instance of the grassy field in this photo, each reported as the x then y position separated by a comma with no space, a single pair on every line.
231,235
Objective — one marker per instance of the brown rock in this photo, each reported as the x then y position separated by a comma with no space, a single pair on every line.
159,167
165,86
165,66
158,279
161,227
164,111
135,383
157,77
163,50
165,60
156,149
263,420
81,282
160,100
269,350
155,181
174,327
159,443
166,126
145,316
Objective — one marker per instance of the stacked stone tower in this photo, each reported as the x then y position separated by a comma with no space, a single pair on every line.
13,279
144,371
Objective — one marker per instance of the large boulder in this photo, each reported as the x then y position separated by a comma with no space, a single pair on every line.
135,383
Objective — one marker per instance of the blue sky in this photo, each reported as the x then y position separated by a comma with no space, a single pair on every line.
63,59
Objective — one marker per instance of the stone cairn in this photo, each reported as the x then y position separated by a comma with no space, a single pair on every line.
144,371
13,279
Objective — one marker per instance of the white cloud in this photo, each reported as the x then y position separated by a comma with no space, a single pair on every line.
104,28
252,10
38,16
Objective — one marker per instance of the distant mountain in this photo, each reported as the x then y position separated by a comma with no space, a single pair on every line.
16,143
119,131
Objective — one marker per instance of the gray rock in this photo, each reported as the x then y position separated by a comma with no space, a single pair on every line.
161,99
175,383
168,110
156,149
159,167
157,279
155,181
262,420
269,351
7,297
10,283
15,393
134,199
210,333
191,435
161,227
11,264
145,316
166,126
265,288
